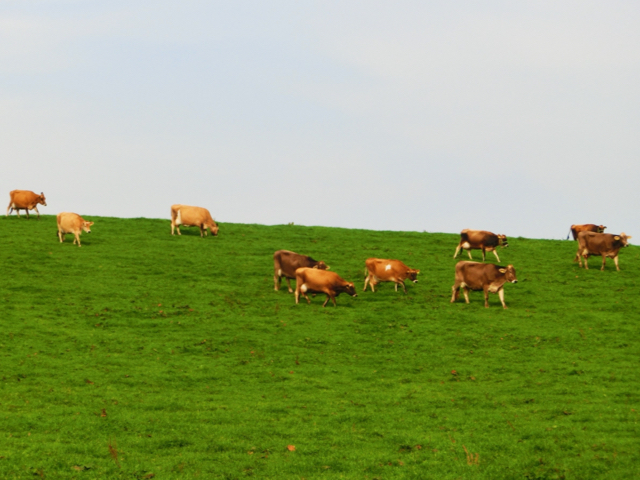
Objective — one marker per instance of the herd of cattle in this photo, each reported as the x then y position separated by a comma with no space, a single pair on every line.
313,276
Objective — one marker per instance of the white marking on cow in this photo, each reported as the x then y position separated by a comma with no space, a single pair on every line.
279,272
387,268
179,219
493,288
304,288
463,285
466,245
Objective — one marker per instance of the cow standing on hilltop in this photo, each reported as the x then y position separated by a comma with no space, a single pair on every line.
480,240
25,200
604,244
188,216
72,223
489,278
285,264
587,227
380,270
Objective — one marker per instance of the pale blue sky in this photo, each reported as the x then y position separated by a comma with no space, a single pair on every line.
515,117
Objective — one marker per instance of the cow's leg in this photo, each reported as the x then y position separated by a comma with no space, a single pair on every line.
201,231
469,252
455,292
486,296
366,282
276,281
36,209
17,212
483,254
604,260
403,286
173,227
501,295
457,250
495,252
178,229
77,239
585,256
288,284
615,260
465,290
60,236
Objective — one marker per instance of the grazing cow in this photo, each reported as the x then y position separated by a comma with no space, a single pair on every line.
321,281
192,217
480,240
604,244
482,276
72,223
285,264
25,200
589,227
380,270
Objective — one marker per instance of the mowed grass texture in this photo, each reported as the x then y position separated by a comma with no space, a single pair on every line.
142,355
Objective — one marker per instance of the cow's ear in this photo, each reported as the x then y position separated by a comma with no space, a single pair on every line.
616,237
503,270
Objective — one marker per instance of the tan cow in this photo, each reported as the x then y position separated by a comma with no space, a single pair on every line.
312,280
192,217
487,277
604,244
285,264
380,270
480,240
25,200
587,227
72,223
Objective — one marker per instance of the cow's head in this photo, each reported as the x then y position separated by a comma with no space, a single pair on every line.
502,241
322,266
509,273
350,288
413,275
86,226
601,229
41,200
623,239
214,229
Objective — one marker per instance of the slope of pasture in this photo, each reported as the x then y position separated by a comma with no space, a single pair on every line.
142,355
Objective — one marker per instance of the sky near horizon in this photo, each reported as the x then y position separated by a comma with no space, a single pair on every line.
516,117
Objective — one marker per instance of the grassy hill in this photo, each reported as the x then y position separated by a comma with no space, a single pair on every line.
142,355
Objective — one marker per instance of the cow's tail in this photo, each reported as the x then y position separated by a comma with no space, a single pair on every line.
569,234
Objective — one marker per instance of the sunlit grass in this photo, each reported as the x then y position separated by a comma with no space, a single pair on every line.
176,354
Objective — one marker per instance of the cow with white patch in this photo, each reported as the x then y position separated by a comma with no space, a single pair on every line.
381,270
603,244
480,240
587,227
312,280
189,216
285,264
72,223
25,200
488,277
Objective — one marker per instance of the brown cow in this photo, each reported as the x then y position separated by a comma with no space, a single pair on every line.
480,240
380,270
482,276
604,244
285,264
588,227
192,217
72,223
321,281
25,200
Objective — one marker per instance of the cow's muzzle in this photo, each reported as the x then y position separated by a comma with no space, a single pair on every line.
514,281
414,281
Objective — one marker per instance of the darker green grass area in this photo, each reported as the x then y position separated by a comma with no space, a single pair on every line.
142,355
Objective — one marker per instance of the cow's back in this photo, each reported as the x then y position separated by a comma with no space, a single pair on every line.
69,222
476,274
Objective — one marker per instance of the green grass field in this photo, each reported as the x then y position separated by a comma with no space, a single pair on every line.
142,355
